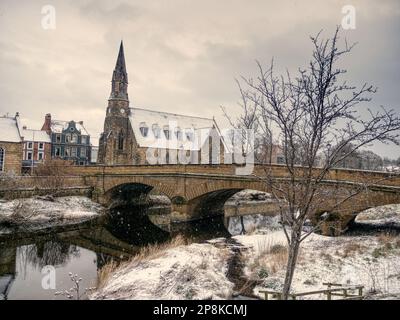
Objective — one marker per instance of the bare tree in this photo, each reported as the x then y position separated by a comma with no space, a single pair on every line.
318,120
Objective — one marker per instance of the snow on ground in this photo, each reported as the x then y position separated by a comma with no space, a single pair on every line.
196,271
371,261
41,212
389,214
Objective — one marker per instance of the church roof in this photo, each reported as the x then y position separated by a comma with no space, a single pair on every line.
193,130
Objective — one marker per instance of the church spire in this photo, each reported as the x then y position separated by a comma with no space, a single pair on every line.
119,83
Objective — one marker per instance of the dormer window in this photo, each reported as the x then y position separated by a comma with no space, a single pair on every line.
189,134
156,131
178,133
167,132
144,129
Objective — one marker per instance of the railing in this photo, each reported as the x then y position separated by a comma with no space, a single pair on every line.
333,289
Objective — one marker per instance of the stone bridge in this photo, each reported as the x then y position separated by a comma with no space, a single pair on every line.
197,191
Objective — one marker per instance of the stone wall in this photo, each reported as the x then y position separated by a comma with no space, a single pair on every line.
13,157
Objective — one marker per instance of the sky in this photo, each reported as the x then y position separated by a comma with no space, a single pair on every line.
182,56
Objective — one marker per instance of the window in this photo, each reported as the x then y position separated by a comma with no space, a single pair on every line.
74,138
73,152
68,138
2,158
178,133
29,155
40,156
167,132
144,129
83,139
189,134
83,152
280,159
156,131
67,152
121,141
41,145
57,151
30,145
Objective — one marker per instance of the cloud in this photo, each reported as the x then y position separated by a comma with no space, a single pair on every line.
182,56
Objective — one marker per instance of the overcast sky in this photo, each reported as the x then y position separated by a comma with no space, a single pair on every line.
182,56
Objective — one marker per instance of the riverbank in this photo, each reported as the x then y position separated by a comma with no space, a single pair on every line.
38,214
200,271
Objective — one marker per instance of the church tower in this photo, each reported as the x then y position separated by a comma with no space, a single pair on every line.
116,141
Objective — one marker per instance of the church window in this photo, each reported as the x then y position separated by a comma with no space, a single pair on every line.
144,129
156,131
121,141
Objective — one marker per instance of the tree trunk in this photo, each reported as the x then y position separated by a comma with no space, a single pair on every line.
292,260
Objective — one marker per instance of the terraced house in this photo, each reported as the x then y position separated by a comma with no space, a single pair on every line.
70,140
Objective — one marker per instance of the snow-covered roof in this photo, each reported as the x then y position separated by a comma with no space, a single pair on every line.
36,135
57,126
9,129
186,132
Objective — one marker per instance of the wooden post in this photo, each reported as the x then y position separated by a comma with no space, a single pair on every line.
329,295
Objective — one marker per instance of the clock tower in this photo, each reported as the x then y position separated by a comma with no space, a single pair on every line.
116,141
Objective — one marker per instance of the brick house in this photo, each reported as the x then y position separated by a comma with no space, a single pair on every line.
142,136
69,140
36,148
10,145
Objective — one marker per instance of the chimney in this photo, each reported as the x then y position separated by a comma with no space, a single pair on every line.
47,123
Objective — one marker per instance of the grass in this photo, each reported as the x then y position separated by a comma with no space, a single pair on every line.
271,258
146,253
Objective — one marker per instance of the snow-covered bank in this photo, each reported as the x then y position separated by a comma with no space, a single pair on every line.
372,261
31,214
199,271
195,271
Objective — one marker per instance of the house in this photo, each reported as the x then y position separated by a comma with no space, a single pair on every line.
143,136
10,145
69,140
36,148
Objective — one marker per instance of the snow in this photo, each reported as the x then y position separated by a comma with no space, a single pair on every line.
40,212
196,271
200,127
384,215
9,131
35,135
58,126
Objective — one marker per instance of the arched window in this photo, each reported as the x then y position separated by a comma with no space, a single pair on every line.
178,133
144,129
167,132
121,141
2,159
156,131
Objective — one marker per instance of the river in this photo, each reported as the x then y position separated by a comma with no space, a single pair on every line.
83,251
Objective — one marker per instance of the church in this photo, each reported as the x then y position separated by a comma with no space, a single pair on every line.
138,136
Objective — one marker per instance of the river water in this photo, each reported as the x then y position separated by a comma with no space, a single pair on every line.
83,251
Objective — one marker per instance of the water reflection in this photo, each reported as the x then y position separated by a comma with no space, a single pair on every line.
86,251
